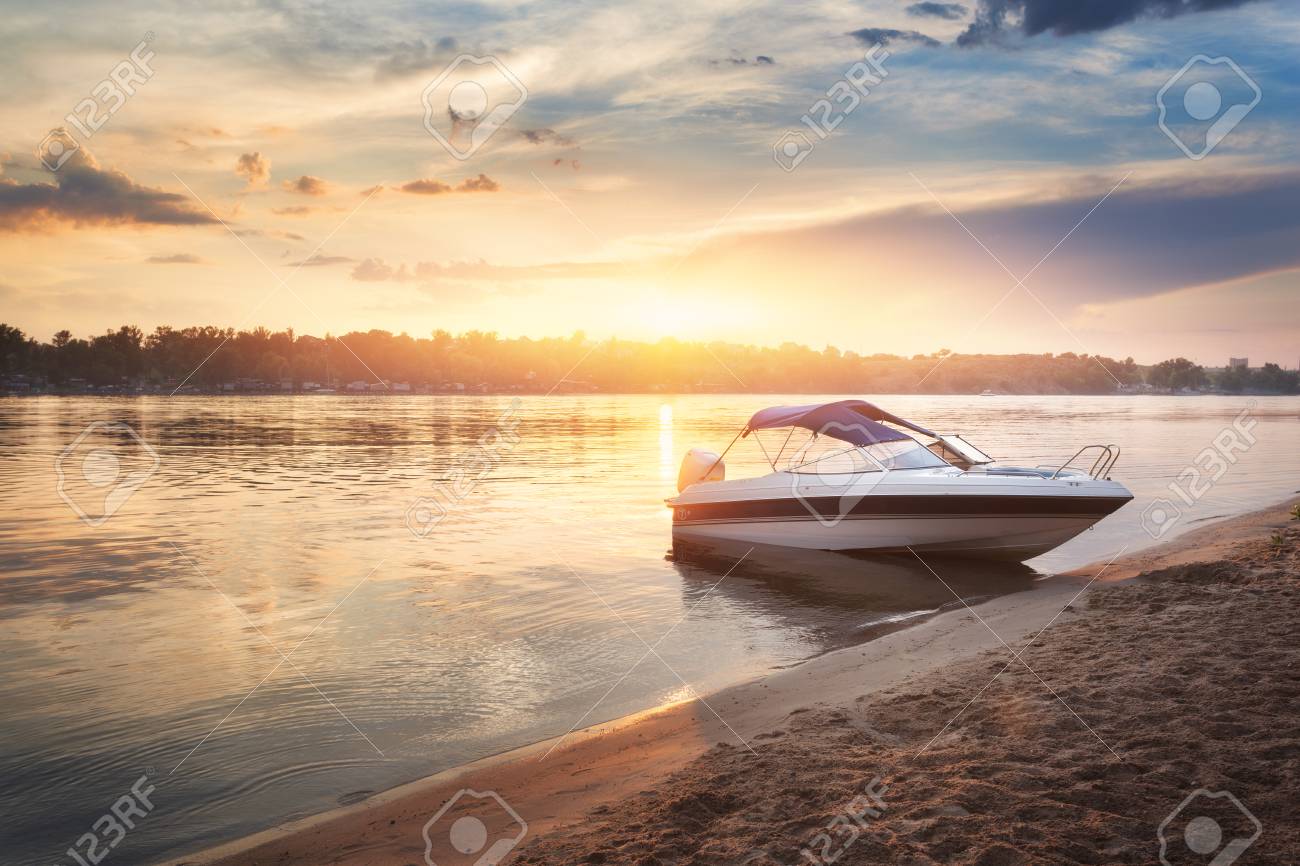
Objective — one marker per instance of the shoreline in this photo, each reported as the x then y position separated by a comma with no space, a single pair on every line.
612,762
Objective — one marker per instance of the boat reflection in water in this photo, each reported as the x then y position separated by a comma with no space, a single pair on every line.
837,598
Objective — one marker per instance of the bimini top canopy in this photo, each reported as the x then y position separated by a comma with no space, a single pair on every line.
852,421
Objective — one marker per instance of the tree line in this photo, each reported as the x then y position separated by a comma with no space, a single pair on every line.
205,357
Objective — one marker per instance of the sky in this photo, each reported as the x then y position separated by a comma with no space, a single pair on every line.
900,177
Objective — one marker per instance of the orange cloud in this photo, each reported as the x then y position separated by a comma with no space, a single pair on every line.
430,186
307,185
425,186
253,167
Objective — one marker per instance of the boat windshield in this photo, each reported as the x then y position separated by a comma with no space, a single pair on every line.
828,456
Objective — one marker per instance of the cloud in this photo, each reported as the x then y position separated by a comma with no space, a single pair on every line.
1143,240
83,194
294,210
1068,17
541,136
307,185
377,270
946,11
482,183
884,36
253,167
272,233
319,260
176,259
407,58
372,190
760,60
425,186
430,186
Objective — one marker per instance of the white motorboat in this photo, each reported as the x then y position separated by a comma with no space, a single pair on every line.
860,483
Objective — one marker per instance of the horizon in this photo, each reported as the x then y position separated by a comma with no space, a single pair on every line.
588,340
886,178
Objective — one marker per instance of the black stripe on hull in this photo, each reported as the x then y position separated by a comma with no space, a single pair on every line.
900,506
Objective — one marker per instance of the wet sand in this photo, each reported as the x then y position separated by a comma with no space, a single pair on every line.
1061,725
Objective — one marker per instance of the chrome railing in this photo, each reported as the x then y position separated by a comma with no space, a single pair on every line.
1106,457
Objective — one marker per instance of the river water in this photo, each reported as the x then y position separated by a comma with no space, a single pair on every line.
269,606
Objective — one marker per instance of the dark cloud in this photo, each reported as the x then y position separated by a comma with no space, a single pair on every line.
253,167
83,194
542,136
884,36
760,60
175,259
1144,240
1068,17
320,261
408,58
307,185
946,11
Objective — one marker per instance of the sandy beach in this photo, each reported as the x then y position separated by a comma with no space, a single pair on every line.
1062,725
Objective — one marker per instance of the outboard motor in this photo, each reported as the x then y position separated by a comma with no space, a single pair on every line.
700,465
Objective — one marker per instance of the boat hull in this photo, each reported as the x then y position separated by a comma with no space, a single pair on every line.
1003,525
1007,538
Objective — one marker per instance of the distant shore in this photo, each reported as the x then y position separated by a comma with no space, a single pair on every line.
1174,671
559,392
